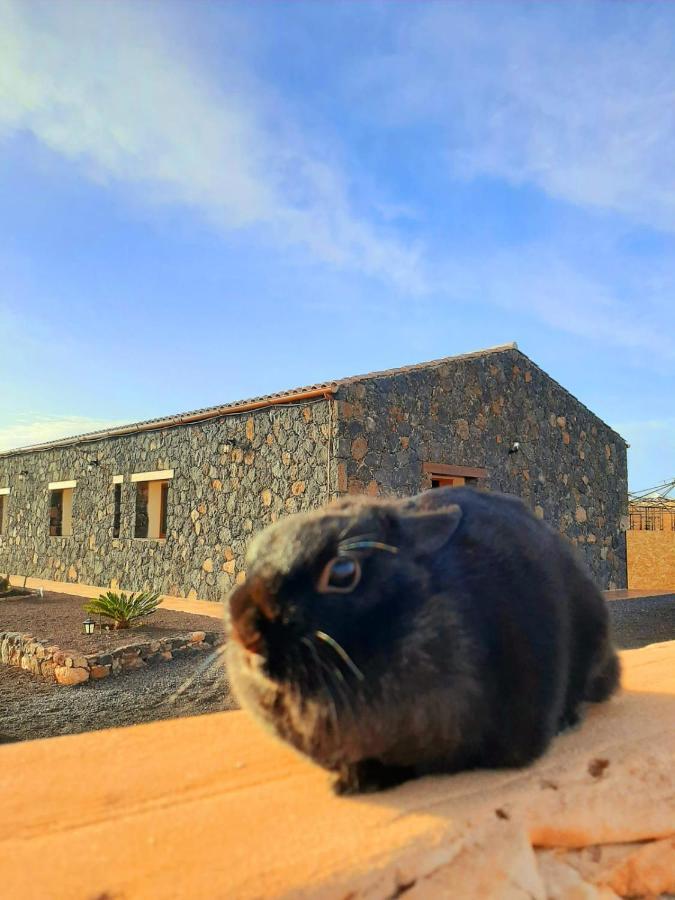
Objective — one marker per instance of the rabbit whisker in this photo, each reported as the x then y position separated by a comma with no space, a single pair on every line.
341,652
326,687
367,545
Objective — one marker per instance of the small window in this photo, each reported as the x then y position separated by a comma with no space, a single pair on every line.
163,507
117,512
152,500
452,482
4,499
61,512
438,475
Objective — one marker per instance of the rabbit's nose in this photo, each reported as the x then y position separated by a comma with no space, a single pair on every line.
251,608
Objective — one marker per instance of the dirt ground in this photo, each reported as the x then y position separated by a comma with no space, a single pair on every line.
57,619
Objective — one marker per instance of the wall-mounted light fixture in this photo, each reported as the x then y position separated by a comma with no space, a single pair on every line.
92,463
515,447
23,474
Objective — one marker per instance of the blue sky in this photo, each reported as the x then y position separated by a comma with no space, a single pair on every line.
201,202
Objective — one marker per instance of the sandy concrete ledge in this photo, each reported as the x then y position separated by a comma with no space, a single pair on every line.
212,807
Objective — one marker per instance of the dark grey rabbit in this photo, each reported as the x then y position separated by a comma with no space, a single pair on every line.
392,638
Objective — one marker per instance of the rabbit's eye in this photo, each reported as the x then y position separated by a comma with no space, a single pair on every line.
341,574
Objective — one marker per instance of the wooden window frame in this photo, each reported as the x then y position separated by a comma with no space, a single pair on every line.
117,508
4,503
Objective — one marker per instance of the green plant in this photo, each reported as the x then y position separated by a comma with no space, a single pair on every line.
124,609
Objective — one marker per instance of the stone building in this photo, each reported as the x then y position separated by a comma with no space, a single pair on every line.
171,503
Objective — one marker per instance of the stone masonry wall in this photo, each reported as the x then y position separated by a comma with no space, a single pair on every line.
571,468
232,476
70,667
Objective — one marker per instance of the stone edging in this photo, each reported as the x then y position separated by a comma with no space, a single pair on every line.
71,667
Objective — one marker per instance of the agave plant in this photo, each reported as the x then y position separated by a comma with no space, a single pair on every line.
124,609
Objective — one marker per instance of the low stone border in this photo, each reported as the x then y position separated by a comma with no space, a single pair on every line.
70,667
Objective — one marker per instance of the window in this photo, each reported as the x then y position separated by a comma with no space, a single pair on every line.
61,508
440,475
152,502
117,512
4,500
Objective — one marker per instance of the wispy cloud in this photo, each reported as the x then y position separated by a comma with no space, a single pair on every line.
572,99
576,99
540,282
28,430
109,87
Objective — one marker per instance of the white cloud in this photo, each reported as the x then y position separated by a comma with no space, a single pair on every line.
112,88
576,99
27,430
537,281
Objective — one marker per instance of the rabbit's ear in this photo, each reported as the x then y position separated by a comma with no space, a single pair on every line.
426,532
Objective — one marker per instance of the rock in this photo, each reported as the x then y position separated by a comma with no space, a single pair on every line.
97,672
47,669
266,496
298,487
462,427
207,565
580,514
359,448
197,637
68,675
129,663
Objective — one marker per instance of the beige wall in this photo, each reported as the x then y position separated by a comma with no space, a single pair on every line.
651,560
67,518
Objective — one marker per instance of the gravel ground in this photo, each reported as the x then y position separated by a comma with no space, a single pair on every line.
30,708
648,620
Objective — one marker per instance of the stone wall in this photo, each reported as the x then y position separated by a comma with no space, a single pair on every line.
651,560
571,467
70,667
232,476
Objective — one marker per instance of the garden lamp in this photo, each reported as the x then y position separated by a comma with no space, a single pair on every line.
88,626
